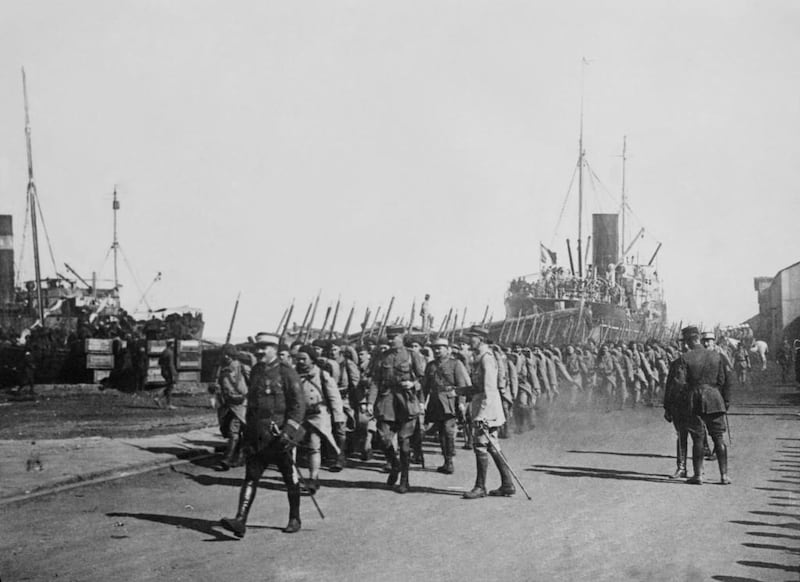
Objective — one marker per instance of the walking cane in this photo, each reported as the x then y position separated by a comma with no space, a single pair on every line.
728,426
483,430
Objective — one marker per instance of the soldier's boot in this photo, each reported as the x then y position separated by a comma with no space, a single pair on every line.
506,488
697,464
481,465
294,510
405,462
722,460
449,452
394,466
237,524
228,458
680,455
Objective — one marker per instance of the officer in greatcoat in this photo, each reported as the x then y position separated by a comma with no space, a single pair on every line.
393,400
443,376
275,411
323,401
486,410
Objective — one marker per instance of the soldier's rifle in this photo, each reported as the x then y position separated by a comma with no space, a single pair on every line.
305,321
325,323
286,323
313,316
386,317
482,429
485,315
233,318
335,315
464,318
445,322
349,321
413,314
364,325
375,320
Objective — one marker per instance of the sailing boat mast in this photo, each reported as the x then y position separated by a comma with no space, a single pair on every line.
32,202
624,198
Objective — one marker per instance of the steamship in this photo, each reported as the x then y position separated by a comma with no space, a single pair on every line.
612,297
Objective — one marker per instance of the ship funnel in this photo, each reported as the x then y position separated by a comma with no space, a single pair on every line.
605,239
6,259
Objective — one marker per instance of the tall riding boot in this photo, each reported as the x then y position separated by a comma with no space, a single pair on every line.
697,462
722,460
231,452
418,455
293,493
680,456
506,488
405,461
394,470
481,464
449,450
246,496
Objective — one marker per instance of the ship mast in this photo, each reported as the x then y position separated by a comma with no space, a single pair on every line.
115,244
581,154
624,197
32,202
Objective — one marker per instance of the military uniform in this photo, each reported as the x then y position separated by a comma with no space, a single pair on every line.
486,409
442,378
276,409
322,401
528,391
166,360
232,409
699,396
393,397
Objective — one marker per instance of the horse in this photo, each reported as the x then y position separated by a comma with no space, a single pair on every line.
761,348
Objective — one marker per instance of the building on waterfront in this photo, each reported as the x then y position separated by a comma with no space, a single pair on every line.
778,307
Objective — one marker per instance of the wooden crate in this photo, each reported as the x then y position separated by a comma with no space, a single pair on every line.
189,376
99,361
189,346
156,346
100,375
98,345
190,360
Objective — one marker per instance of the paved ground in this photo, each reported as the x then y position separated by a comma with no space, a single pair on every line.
603,509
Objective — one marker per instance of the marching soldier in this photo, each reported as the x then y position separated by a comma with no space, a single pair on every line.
393,399
365,421
232,395
322,400
487,416
349,376
276,409
443,376
528,390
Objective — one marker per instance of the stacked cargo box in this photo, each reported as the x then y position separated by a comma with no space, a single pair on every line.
99,358
154,349
190,360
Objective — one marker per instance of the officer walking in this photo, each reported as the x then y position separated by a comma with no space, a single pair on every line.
487,416
274,415
393,400
443,376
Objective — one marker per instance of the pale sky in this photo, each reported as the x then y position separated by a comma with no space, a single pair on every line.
372,149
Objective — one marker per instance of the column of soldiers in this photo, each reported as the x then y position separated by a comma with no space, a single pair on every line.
329,401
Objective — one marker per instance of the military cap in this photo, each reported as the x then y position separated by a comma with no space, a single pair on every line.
441,342
690,331
708,335
264,338
283,348
229,350
309,351
395,330
479,331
